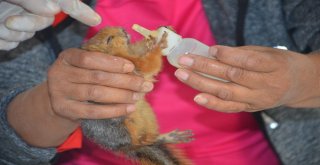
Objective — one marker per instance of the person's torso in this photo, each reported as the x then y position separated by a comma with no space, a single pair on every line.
220,138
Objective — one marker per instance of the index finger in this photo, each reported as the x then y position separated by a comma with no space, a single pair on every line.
79,11
30,22
251,60
95,61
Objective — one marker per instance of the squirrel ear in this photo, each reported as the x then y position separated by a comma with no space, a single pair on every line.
91,45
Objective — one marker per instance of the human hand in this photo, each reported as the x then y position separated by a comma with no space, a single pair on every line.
259,78
80,85
20,19
92,85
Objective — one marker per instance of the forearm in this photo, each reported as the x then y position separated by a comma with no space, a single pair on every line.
314,100
31,116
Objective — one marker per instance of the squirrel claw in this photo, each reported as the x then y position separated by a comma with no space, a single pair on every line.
176,136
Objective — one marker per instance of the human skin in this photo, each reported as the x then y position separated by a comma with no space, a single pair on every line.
259,78
80,85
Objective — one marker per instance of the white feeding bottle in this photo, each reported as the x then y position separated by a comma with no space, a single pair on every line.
177,46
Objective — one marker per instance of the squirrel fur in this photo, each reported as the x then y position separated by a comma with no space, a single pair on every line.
135,135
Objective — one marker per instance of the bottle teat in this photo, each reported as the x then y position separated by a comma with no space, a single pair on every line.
144,32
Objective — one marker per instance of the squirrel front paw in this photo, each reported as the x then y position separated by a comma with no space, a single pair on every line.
176,136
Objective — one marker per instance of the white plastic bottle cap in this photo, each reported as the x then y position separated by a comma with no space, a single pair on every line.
173,39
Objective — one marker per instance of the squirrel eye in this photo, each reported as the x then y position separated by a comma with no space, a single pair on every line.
109,39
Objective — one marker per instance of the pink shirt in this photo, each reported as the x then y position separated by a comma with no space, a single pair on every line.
220,138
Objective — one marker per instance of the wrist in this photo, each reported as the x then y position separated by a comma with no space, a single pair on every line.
313,100
31,116
315,61
315,58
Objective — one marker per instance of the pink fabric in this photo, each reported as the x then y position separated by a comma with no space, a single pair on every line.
221,139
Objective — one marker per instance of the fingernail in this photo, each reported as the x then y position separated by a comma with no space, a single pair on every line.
15,22
97,20
200,100
128,67
182,75
93,20
137,96
213,51
11,23
187,61
131,108
147,86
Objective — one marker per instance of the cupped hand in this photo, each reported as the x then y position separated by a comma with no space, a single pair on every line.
259,78
92,85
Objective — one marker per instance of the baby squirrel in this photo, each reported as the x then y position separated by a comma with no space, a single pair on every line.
135,135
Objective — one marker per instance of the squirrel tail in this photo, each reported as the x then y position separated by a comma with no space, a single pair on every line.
159,154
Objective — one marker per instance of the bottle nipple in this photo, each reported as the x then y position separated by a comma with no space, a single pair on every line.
145,32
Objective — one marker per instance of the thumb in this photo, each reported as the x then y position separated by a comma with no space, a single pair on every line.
26,22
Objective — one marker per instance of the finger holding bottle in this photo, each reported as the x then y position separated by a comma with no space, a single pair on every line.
258,78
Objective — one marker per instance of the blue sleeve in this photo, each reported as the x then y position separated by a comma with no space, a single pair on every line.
28,69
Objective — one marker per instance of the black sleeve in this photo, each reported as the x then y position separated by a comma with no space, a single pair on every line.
303,23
